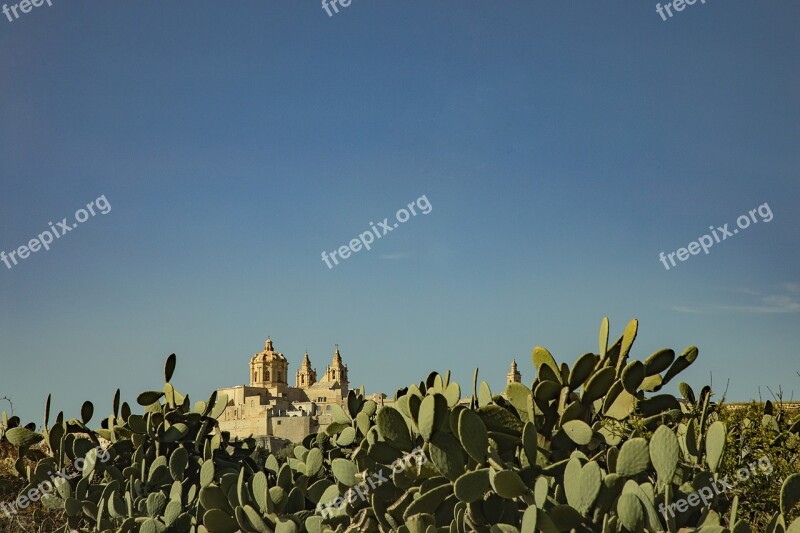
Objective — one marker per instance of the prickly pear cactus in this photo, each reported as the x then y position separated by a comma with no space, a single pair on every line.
595,446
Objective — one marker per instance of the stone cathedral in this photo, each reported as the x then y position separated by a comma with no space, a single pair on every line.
276,413
271,409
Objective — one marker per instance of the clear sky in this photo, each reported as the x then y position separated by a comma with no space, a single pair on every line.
562,147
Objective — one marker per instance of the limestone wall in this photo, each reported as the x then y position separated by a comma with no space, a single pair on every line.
293,428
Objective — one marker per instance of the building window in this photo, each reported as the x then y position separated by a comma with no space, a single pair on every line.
328,408
279,422
266,375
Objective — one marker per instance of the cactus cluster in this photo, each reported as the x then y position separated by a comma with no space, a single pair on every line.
24,438
591,447
764,430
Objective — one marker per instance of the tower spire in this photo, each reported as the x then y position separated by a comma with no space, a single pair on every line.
513,376
306,376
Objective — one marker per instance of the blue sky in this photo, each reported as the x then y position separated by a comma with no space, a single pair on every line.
561,146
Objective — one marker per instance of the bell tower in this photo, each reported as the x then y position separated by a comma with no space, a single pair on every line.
306,376
513,376
337,371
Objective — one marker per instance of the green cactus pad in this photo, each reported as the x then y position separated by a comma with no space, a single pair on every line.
363,422
519,396
530,442
178,462
217,521
428,502
156,503
314,461
447,455
499,419
629,510
582,370
656,405
212,497
633,458
432,413
453,394
347,437
603,337
665,454
582,484
339,415
598,385
632,376
169,367
790,494
743,527
149,398
546,391
484,394
716,440
20,436
578,431
529,520
541,356
151,525
659,361
472,486
87,411
623,405
548,374
73,507
628,337
687,392
392,427
508,484
562,518
473,435
683,362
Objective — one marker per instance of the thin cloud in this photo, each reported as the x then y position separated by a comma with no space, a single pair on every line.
394,256
769,305
764,304
686,309
793,287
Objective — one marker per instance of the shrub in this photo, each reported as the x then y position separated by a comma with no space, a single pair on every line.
592,447
761,431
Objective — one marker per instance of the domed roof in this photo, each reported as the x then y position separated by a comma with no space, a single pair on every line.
269,354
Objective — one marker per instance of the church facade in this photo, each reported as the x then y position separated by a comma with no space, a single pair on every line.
276,413
270,409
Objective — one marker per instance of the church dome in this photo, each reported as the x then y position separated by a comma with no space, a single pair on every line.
269,354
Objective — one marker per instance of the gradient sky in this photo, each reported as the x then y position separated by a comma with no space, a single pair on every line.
563,146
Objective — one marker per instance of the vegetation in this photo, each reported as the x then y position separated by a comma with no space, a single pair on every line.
769,431
592,447
33,518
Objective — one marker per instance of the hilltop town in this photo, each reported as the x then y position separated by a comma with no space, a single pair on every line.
276,413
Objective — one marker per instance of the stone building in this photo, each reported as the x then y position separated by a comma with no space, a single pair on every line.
277,414
272,410
514,376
